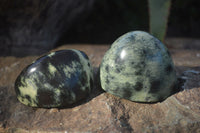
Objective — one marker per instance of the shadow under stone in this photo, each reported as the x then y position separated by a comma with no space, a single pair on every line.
95,90
187,78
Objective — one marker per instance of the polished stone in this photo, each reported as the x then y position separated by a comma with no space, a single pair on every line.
138,67
58,79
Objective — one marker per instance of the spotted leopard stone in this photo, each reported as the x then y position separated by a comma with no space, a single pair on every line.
58,79
138,67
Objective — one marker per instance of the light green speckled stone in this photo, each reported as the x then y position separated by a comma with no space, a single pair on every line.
138,67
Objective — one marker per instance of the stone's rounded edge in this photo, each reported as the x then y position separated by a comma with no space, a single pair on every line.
87,67
19,83
87,80
151,85
130,36
31,93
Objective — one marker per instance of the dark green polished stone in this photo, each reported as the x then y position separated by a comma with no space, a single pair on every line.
58,79
138,67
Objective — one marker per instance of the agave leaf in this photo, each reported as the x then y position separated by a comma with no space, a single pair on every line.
159,12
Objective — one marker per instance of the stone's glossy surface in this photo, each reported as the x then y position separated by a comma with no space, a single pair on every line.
138,67
55,80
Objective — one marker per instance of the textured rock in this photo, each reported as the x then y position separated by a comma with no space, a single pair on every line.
138,67
58,79
103,112
34,27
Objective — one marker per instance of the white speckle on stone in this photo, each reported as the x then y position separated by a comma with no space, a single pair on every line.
123,54
192,71
47,85
51,54
198,54
108,107
32,69
184,77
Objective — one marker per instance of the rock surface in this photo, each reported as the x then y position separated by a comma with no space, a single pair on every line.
102,112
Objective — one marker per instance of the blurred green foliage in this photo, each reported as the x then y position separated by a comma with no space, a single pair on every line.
159,12
111,18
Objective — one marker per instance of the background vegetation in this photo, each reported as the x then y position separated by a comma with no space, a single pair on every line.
34,27
112,18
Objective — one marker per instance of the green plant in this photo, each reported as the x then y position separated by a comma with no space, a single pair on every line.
159,12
